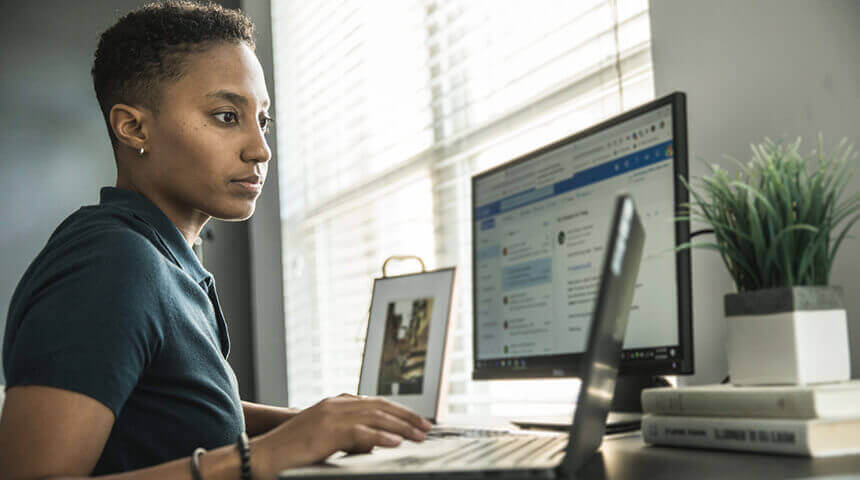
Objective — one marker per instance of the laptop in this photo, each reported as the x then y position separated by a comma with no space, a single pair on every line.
526,454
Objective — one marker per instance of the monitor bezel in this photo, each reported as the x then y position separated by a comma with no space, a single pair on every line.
558,366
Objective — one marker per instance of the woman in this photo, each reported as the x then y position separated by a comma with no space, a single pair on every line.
115,347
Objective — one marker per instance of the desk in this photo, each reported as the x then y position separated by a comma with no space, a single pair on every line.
625,456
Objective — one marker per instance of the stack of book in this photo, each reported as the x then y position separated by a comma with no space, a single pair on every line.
811,420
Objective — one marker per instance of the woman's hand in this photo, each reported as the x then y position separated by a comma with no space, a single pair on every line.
346,422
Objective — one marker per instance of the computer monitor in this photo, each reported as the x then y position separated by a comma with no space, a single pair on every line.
538,229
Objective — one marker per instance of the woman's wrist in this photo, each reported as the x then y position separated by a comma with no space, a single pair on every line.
278,450
260,419
261,466
221,463
289,413
226,462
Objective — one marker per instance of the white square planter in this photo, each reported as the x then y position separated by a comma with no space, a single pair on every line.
787,336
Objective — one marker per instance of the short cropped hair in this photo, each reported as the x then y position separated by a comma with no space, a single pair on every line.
149,46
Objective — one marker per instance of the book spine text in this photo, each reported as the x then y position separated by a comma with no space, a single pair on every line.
730,434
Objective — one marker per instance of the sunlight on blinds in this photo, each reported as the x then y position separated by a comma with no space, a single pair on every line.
386,109
352,74
330,264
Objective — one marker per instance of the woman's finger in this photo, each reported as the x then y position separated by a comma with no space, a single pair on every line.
401,412
381,420
363,438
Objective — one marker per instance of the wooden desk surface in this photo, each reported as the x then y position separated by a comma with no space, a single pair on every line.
626,456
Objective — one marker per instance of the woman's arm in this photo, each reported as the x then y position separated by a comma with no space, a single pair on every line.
52,433
45,431
219,464
260,418
48,432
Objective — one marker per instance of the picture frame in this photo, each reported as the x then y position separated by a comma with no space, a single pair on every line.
407,332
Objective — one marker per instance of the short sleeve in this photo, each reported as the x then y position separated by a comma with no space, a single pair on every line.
91,319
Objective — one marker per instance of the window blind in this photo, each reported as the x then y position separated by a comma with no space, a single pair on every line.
386,108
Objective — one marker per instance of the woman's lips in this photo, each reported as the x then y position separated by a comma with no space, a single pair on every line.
256,187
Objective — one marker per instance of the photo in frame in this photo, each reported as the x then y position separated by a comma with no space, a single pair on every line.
407,331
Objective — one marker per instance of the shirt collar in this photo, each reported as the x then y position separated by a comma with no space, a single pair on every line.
164,228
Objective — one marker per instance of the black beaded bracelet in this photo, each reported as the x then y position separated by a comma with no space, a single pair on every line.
245,453
195,463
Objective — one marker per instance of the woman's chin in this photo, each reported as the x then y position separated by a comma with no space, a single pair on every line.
236,213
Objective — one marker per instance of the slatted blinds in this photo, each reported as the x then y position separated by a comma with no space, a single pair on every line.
386,108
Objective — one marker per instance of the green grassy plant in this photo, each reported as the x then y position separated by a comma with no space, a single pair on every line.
780,220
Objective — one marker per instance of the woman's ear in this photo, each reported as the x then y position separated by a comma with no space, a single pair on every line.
129,125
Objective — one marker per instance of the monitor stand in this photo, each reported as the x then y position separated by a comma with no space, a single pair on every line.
625,414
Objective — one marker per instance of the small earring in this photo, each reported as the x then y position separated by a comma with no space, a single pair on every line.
141,152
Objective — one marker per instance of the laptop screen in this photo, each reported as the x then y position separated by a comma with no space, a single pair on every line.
608,327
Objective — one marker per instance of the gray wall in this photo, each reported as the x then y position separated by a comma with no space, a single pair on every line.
775,68
267,273
55,153
226,255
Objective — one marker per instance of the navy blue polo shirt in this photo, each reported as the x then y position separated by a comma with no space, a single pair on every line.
117,307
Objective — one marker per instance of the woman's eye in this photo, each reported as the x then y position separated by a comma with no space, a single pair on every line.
266,123
227,117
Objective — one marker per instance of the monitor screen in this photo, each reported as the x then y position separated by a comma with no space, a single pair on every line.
540,223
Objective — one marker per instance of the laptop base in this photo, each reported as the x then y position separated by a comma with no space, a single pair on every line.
617,422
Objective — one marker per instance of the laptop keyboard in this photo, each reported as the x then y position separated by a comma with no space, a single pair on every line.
490,451
511,450
468,432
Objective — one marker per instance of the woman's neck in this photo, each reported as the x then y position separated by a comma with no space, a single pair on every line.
189,223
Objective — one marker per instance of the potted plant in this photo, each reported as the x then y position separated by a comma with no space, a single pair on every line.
778,225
